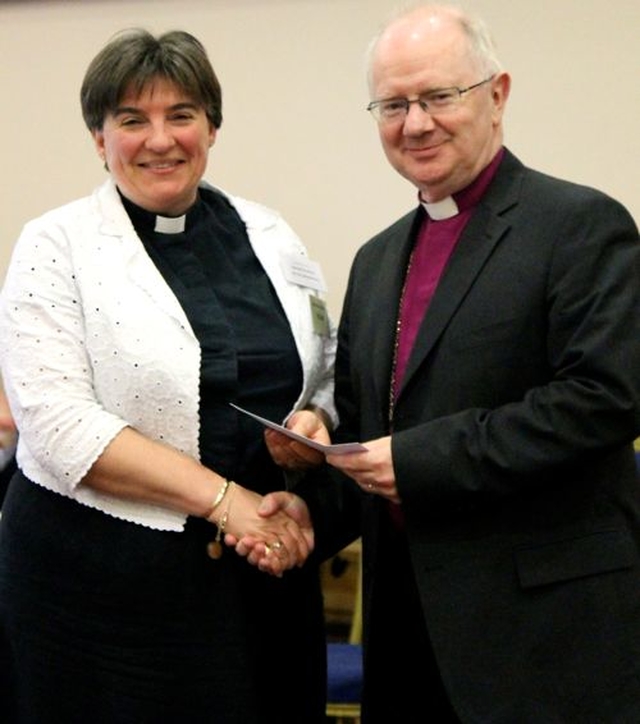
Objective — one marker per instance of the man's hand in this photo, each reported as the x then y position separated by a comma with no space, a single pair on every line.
372,469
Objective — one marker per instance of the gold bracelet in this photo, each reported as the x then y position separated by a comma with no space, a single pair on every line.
214,548
221,493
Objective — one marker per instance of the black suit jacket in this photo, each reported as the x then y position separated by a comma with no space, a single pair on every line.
512,448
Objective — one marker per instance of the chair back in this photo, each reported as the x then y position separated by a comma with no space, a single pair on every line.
344,664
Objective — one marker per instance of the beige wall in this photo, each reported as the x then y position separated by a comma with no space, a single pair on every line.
296,135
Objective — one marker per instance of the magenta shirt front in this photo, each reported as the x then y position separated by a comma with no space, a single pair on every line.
434,245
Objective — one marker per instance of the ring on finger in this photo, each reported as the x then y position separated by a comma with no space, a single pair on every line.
275,547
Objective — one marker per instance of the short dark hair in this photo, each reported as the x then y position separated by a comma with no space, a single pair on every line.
134,58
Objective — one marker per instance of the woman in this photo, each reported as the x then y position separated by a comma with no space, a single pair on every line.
130,320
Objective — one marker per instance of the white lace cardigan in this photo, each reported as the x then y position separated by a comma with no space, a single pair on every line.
93,340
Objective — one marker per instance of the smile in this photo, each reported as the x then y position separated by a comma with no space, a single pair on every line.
160,165
424,151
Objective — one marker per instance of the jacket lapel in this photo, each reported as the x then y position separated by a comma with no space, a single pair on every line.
385,302
137,265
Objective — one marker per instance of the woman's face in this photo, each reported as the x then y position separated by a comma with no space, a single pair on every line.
156,146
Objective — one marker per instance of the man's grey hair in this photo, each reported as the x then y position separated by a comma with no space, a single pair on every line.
482,48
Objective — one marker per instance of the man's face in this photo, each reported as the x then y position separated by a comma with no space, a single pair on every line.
443,153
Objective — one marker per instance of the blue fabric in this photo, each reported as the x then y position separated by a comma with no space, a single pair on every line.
344,672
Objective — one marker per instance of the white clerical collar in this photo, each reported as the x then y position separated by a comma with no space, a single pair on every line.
444,209
170,224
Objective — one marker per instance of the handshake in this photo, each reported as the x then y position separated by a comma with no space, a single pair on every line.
275,532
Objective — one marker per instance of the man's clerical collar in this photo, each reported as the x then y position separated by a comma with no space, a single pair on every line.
443,209
467,197
170,224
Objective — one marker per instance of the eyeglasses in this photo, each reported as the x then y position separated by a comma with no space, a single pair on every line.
435,102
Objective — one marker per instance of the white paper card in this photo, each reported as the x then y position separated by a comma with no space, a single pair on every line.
341,449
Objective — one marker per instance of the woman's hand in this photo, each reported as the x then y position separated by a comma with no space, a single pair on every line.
274,535
291,454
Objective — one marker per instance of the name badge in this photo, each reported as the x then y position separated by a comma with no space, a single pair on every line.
319,316
303,272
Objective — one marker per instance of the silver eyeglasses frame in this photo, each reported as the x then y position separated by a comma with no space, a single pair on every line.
434,102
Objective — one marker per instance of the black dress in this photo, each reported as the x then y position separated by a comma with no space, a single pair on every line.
109,622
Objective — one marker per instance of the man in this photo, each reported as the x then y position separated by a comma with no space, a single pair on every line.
488,357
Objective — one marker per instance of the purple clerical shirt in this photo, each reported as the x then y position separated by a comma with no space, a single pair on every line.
438,235
434,245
